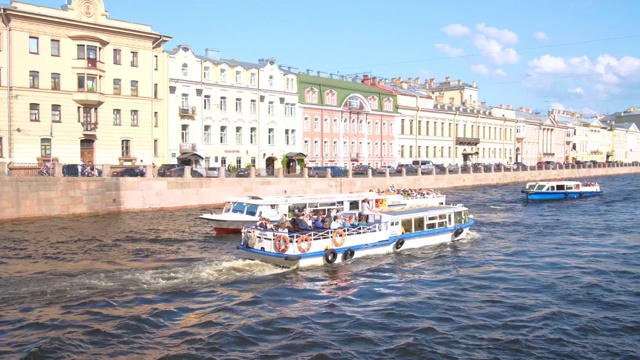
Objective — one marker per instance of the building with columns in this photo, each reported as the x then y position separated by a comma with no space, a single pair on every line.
229,113
346,122
80,86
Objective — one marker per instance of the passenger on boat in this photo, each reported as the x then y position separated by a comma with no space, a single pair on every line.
302,223
317,224
336,223
262,224
283,227
351,220
269,224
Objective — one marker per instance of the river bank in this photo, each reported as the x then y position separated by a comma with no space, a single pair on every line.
43,197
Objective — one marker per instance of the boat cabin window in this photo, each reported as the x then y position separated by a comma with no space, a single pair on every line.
560,187
252,209
239,208
430,222
354,205
540,187
460,217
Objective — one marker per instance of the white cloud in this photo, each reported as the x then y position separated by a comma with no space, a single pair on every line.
494,50
540,36
456,30
480,68
557,106
451,51
577,90
503,36
501,72
548,64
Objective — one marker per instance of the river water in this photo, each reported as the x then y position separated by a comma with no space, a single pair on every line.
534,280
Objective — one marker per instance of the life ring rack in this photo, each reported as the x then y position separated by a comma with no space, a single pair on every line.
282,243
339,237
304,243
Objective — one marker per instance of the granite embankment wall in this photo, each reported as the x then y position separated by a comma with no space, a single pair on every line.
38,197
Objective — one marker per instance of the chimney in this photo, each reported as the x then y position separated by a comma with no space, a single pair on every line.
309,71
484,103
501,106
374,81
410,81
212,54
521,109
473,84
403,84
509,107
432,81
447,79
417,81
366,79
459,82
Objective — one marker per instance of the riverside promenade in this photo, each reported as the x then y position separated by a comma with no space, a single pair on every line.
44,197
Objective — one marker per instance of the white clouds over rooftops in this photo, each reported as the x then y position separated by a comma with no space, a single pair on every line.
540,36
608,67
489,41
451,51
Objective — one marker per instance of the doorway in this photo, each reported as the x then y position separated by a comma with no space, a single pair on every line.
87,151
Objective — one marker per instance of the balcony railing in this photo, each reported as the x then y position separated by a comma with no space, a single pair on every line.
89,126
465,141
189,111
188,147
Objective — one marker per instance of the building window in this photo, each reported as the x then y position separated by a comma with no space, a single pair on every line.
306,146
55,81
290,84
270,80
117,90
238,105
316,124
56,113
134,117
117,56
335,147
286,137
238,135
34,79
253,136
206,134
92,83
307,122
238,77
289,109
134,88
1,148
45,147
253,79
125,146
270,108
155,62
272,136
207,102
223,134
223,103
80,54
206,72
293,137
34,112
33,45
155,119
185,69
316,147
185,134
117,120
325,147
253,107
55,47
155,147
134,58
223,75
155,91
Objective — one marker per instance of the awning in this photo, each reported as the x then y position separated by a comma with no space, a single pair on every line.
190,155
296,156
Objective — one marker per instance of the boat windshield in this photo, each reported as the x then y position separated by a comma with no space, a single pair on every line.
239,208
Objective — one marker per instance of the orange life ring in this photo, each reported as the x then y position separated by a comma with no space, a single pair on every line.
338,237
282,243
379,203
304,243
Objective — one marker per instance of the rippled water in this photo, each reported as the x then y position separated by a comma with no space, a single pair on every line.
534,280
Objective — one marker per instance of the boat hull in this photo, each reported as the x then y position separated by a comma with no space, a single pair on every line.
226,226
349,251
559,195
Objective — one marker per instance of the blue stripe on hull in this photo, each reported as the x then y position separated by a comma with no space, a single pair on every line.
559,195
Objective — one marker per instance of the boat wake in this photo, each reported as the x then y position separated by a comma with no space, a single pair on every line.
91,284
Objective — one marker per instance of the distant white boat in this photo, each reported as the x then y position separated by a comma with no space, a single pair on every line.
560,190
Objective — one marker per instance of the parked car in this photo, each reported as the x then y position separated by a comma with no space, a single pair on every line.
321,171
383,170
426,166
440,168
128,172
162,170
242,172
409,169
453,168
362,169
212,172
519,166
179,172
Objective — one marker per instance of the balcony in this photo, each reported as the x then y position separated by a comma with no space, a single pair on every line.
88,98
92,64
187,111
465,141
89,127
188,147
520,135
355,156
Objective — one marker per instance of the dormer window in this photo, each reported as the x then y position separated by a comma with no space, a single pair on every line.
270,80
185,69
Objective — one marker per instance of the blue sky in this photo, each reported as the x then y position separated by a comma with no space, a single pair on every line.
581,55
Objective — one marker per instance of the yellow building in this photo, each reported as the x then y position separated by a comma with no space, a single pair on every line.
77,85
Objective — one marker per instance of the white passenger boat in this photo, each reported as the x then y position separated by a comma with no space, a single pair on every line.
560,190
246,210
391,230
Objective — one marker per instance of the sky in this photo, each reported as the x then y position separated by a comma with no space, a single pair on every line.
579,55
